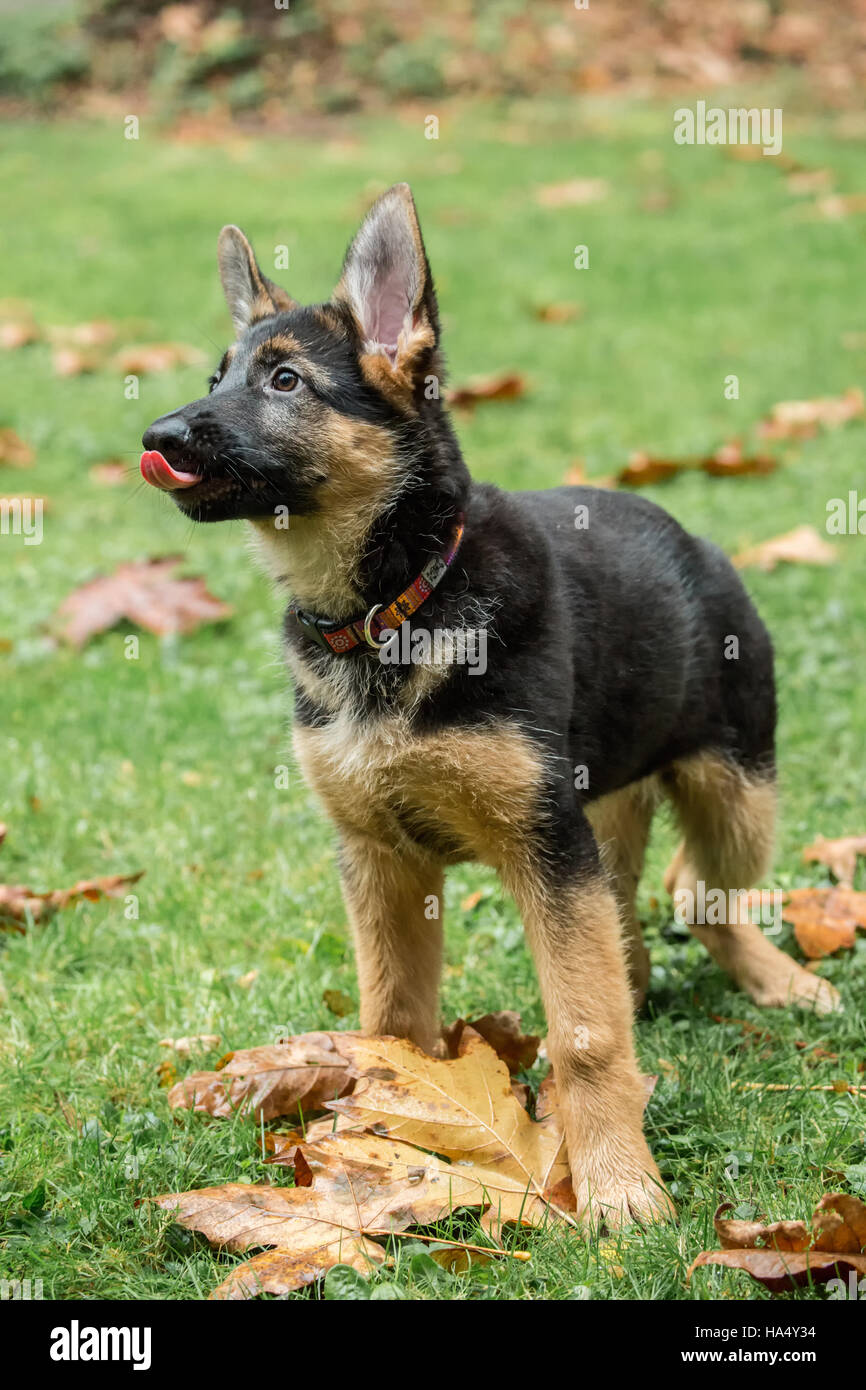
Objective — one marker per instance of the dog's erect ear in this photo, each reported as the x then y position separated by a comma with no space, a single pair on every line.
387,286
250,294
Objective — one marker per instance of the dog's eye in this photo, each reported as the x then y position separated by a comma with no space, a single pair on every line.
284,380
213,382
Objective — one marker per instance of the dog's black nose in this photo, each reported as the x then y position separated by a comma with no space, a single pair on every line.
168,435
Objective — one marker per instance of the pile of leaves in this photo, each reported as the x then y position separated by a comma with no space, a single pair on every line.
408,1140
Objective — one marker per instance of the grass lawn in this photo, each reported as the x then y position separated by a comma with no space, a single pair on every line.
701,266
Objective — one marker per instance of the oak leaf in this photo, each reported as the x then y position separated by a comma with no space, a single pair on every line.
802,546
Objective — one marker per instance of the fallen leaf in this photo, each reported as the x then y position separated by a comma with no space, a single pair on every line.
788,1253
577,477
800,419
642,469
557,313
502,1032
14,452
728,461
840,856
18,333
338,1003
572,193
245,981
72,361
472,900
502,386
463,1109
825,919
19,904
143,592
155,357
836,206
99,333
284,1078
809,181
802,546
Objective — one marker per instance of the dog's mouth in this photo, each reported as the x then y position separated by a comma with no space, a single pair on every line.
156,470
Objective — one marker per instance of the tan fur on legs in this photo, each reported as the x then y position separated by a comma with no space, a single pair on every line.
394,902
728,821
621,824
577,944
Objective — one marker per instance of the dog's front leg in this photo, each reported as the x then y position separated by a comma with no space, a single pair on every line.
394,902
571,919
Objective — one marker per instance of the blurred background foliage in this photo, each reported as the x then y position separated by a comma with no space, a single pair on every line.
278,59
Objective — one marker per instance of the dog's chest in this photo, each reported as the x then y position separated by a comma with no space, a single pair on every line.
461,793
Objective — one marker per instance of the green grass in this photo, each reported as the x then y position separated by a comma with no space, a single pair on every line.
730,277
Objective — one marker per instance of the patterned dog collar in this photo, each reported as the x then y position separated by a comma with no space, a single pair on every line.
365,631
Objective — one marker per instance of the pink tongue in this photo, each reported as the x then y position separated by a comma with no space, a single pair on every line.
157,471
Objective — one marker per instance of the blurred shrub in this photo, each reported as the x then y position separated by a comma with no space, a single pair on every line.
335,55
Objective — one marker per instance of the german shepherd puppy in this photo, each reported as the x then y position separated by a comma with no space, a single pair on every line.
607,685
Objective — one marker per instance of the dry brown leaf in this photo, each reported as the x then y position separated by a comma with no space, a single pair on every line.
502,386
460,1108
14,452
557,313
572,193
787,1252
642,469
836,206
338,1003
19,904
155,357
305,1237
502,1032
300,1073
18,333
840,856
97,334
143,592
73,361
800,419
728,461
577,477
471,901
825,919
802,546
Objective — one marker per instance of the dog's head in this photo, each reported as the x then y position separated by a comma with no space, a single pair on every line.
309,401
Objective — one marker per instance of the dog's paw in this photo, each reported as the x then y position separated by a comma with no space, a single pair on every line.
794,985
617,1200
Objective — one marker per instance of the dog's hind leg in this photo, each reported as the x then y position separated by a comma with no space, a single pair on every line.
394,901
727,816
621,824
